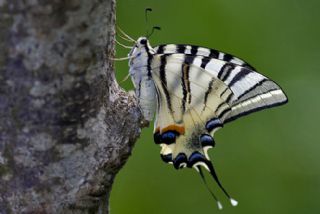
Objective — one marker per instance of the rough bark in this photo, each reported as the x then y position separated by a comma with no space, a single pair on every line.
66,128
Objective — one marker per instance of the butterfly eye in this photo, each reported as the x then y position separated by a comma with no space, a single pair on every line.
143,41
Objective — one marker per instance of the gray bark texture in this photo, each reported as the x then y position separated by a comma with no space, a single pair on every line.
66,127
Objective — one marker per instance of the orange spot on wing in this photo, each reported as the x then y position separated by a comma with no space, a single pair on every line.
179,129
156,130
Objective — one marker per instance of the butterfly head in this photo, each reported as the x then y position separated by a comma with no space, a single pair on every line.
143,41
141,48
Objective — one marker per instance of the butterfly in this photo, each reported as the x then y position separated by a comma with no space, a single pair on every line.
193,91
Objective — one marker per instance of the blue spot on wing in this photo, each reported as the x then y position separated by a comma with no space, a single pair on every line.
195,158
181,158
207,140
168,137
167,158
213,123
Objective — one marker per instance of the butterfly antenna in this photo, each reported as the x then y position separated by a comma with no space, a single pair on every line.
220,207
146,18
215,177
154,28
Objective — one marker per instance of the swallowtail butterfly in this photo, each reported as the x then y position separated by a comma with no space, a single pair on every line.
194,91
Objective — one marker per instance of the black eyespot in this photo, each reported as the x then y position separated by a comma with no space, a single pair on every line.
213,123
143,41
207,140
167,158
180,159
157,138
169,137
195,158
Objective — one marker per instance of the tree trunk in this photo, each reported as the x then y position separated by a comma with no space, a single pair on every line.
66,128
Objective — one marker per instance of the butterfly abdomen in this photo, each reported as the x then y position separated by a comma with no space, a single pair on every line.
146,98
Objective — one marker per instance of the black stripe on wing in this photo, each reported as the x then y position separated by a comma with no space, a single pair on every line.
258,86
200,51
214,53
225,71
184,89
188,60
163,78
264,94
210,85
181,48
227,57
204,62
240,75
244,113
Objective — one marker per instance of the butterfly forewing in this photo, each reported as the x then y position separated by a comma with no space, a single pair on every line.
255,90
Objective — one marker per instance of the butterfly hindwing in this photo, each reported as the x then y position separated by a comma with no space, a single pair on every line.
186,106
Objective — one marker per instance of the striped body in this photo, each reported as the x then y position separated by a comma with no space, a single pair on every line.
197,90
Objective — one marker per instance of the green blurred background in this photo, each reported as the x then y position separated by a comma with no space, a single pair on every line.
270,160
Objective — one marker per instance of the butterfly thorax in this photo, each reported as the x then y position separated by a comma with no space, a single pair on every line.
140,72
